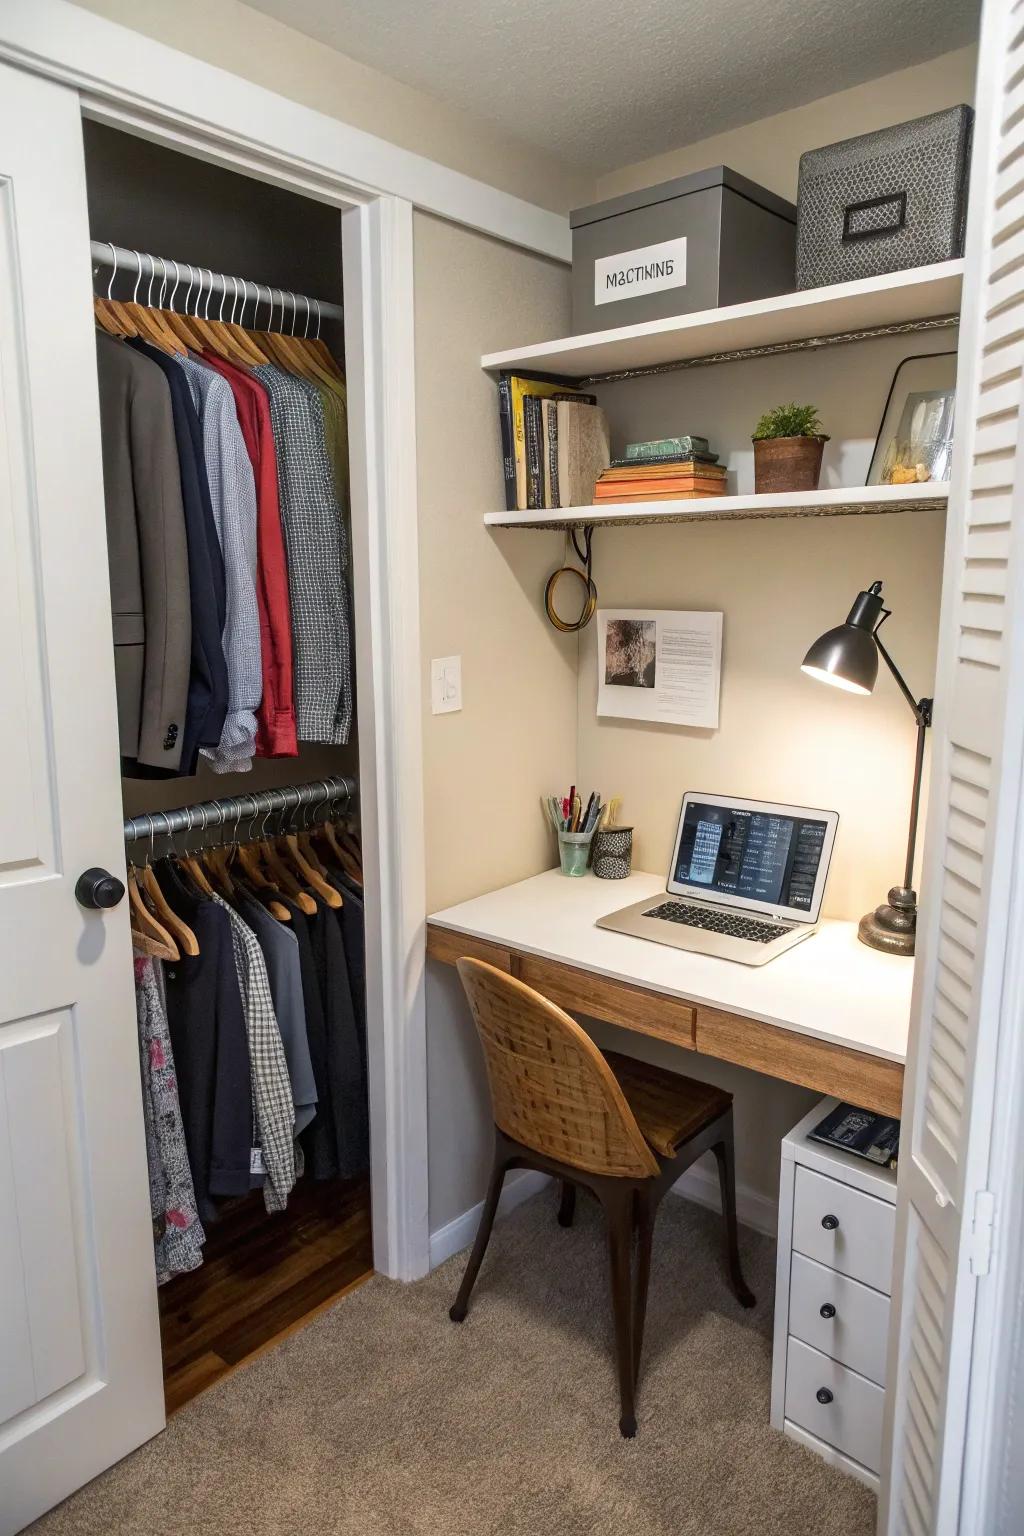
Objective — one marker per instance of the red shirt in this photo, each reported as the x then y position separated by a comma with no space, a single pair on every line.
275,734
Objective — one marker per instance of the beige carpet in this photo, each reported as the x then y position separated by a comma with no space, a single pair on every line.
383,1417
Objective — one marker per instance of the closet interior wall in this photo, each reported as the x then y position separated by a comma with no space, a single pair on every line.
151,199
262,1275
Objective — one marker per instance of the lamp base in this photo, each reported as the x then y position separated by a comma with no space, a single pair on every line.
892,927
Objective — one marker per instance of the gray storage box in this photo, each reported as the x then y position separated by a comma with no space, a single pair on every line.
698,242
884,201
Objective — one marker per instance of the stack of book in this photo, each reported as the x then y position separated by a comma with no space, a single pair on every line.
555,442
668,469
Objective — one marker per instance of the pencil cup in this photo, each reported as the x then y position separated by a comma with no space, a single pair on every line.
613,852
574,852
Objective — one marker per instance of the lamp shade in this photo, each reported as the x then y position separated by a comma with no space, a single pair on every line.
847,656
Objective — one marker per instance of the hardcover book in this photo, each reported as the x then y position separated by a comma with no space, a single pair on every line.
584,448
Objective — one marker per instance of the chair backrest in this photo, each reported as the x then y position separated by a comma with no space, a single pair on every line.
551,1088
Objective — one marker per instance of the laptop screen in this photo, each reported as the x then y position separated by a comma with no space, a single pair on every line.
750,853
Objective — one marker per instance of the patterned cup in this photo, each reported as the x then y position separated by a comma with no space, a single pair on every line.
613,852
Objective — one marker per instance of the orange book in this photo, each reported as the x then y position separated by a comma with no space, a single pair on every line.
661,496
615,488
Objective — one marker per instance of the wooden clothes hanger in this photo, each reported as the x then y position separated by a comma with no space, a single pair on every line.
148,934
309,874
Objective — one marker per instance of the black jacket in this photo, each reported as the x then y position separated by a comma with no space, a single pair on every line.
208,688
211,1049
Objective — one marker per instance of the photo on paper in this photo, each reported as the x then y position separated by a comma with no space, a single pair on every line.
630,653
661,666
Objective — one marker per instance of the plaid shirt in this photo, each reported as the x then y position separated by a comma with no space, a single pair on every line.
272,1100
233,497
317,546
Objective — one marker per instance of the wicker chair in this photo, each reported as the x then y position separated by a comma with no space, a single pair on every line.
622,1128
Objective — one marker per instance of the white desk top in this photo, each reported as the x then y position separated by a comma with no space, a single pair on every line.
831,986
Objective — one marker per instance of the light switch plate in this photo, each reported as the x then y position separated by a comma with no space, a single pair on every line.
445,684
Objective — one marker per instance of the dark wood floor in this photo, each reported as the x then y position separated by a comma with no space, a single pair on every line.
262,1277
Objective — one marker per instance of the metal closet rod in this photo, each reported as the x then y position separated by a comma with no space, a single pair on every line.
186,276
239,809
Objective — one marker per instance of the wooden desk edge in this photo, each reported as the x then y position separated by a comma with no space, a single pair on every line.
870,1082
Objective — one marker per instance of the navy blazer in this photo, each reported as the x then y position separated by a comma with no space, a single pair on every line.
208,689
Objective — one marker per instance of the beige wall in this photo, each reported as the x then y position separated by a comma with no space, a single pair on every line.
260,49
769,151
486,766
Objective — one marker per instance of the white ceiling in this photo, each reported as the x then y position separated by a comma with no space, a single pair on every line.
602,83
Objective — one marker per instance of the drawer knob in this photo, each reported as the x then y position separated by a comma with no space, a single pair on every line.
823,1395
830,1223
827,1309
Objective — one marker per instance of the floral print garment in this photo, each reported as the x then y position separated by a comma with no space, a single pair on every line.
178,1234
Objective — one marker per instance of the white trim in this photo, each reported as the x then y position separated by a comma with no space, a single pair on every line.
700,1184
697,1184
377,247
830,1454
461,1230
169,96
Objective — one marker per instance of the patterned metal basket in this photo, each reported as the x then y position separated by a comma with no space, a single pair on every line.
884,201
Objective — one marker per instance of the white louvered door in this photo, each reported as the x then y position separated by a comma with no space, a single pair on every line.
972,911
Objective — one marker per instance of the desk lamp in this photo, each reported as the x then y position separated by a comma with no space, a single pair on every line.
847,657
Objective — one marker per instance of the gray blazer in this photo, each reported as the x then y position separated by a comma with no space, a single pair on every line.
148,555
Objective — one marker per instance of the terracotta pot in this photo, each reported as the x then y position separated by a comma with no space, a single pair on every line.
787,463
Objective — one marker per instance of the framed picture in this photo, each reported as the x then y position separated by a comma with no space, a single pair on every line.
915,438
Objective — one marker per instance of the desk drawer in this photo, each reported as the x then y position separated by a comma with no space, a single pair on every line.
857,1331
602,997
851,1416
844,1229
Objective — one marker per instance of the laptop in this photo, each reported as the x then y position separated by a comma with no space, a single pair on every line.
746,881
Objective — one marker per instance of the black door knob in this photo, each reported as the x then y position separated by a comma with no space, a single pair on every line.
98,889
823,1395
827,1309
830,1223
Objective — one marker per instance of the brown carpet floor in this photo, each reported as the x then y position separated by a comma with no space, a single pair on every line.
382,1418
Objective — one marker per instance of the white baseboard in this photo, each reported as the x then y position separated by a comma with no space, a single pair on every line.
752,1208
460,1231
697,1184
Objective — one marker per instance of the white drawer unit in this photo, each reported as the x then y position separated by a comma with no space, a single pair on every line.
833,1282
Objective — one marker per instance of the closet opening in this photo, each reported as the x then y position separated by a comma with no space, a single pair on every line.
234,291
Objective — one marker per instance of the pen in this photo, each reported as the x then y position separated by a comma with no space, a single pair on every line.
586,813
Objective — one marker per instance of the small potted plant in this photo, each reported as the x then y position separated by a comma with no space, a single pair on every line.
788,444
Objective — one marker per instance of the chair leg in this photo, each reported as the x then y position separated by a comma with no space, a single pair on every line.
725,1157
457,1313
567,1204
618,1205
645,1211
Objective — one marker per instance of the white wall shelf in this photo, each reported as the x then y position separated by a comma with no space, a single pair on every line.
844,502
922,298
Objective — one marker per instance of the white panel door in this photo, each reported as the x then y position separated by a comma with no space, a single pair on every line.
973,914
80,1378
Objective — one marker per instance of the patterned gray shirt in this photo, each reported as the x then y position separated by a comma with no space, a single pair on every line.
316,544
272,1100
233,497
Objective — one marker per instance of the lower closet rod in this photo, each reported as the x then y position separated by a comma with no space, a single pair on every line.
240,808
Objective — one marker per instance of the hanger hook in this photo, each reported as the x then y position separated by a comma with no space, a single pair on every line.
206,291
191,285
177,281
317,303
152,280
113,272
138,277
163,282
305,331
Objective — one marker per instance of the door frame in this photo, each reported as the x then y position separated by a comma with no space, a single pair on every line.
131,82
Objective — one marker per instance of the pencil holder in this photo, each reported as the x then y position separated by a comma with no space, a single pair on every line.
574,852
613,852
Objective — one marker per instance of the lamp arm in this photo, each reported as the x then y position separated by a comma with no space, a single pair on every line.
922,708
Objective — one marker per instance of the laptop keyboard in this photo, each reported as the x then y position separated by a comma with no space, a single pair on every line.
732,923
